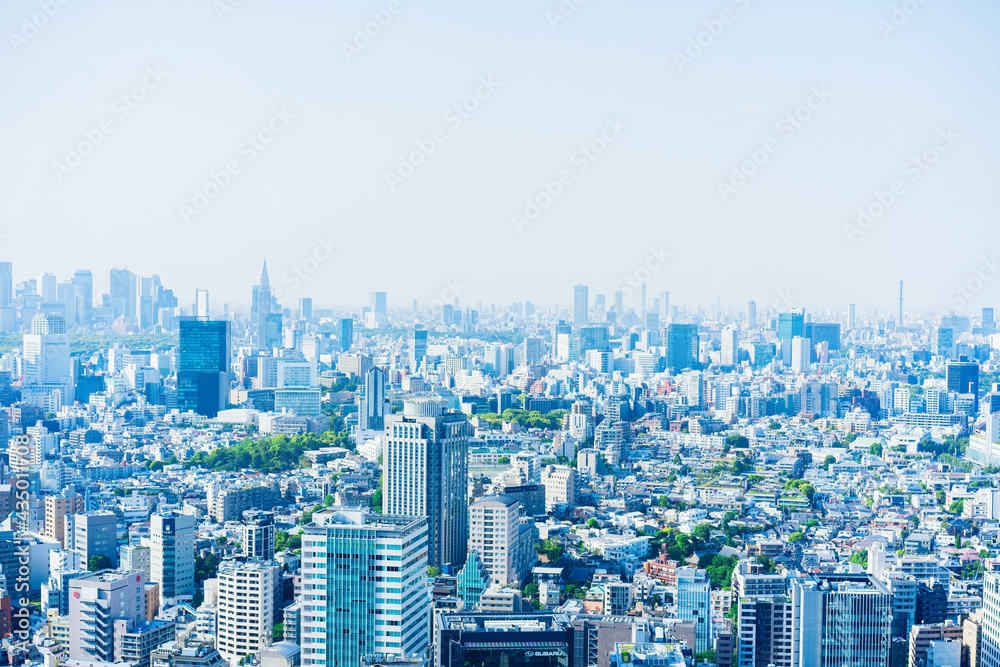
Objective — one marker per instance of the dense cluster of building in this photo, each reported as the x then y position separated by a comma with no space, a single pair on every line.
614,484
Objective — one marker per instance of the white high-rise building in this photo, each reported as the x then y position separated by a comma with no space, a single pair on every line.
730,347
171,539
245,608
363,587
801,354
371,416
46,352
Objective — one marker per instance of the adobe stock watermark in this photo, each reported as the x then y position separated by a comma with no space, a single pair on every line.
32,25
454,117
913,169
247,152
563,11
584,156
225,7
784,300
364,34
786,127
301,271
899,17
714,29
452,290
967,290
631,283
121,108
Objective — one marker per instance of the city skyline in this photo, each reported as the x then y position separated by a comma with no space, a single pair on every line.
879,99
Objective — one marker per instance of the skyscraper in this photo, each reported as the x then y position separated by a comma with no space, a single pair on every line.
93,534
348,556
84,281
944,342
842,619
203,365
681,342
377,302
694,603
801,350
851,317
372,413
200,303
172,553
581,303
790,325
6,285
124,294
426,466
963,377
262,308
751,314
730,347
418,348
46,353
346,334
305,307
989,654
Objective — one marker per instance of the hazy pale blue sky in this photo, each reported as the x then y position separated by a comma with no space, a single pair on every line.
681,130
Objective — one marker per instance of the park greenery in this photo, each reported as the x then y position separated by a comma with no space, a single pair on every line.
276,453
525,418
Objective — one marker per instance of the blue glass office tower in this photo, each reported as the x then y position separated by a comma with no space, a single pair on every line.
203,365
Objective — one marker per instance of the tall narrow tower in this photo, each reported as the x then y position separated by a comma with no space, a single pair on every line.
263,307
901,303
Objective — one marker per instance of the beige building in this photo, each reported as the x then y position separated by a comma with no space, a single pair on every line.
560,486
57,508
496,533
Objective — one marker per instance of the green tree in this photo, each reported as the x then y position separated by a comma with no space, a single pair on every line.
796,537
860,558
875,449
328,501
531,590
278,631
663,501
956,506
941,498
99,562
433,571
503,460
593,523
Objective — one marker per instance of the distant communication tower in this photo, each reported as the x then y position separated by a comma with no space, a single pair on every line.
900,302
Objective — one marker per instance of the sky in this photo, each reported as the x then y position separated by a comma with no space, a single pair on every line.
795,153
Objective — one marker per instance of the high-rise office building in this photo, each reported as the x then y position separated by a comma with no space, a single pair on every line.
790,325
851,317
6,285
988,321
681,343
346,334
84,281
619,304
751,314
963,377
93,534
801,350
377,303
426,465
842,619
200,303
730,347
261,308
124,294
766,631
305,307
944,342
48,286
172,553
694,603
371,416
989,650
363,587
203,365
245,607
258,534
46,354
581,303
96,602
418,348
